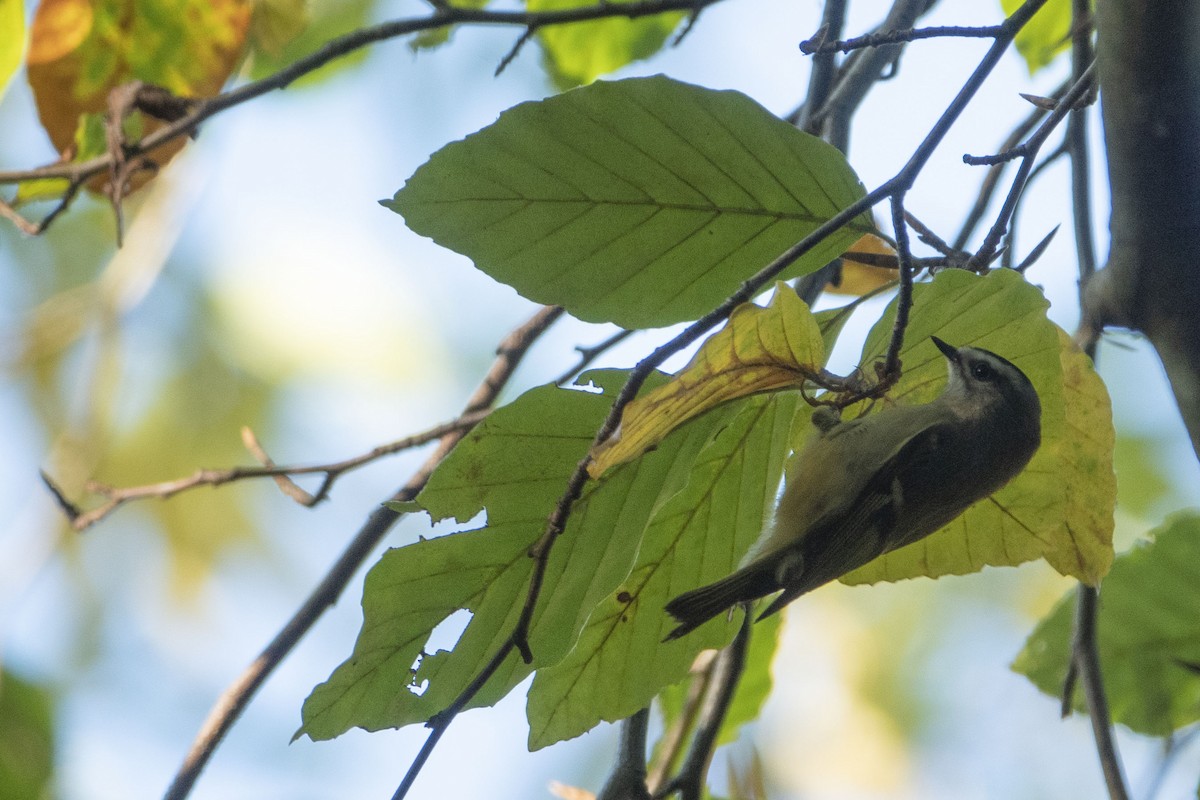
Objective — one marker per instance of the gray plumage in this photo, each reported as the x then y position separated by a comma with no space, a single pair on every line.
863,488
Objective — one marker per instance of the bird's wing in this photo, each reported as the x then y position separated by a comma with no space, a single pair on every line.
859,531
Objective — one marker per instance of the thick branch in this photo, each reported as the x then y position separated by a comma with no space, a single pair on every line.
1149,59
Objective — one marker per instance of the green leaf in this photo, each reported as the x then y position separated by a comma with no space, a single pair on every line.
1035,515
515,465
403,506
642,202
26,739
1044,36
699,535
12,39
1148,633
581,52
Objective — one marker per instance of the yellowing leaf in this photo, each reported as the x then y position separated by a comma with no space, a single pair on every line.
758,350
1087,447
859,278
80,49
1048,511
12,39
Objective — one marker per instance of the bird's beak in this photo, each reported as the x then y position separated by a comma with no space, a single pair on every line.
949,351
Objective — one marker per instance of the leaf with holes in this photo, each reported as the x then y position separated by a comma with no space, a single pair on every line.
642,202
758,350
515,465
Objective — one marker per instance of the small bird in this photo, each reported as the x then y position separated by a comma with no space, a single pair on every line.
865,487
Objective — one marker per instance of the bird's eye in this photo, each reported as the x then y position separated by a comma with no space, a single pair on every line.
982,371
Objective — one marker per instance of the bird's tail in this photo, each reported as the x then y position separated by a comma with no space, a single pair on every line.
693,609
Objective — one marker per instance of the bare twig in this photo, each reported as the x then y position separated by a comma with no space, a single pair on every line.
900,182
589,354
514,51
628,778
727,672
1037,251
1085,656
235,698
824,65
675,737
1009,249
891,365
860,73
1029,150
815,45
992,179
115,497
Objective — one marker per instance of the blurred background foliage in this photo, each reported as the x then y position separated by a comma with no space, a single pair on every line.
260,285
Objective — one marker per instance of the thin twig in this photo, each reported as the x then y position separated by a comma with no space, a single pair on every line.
1086,657
891,365
900,182
235,698
1010,239
115,497
589,354
859,75
727,672
1029,150
628,778
991,180
514,51
813,46
675,737
824,66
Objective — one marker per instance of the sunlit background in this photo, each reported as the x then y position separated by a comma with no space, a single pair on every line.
261,284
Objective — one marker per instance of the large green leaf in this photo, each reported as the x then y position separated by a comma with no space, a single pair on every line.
515,465
1148,635
699,535
26,739
579,53
1060,507
642,202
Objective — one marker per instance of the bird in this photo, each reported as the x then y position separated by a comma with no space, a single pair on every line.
864,487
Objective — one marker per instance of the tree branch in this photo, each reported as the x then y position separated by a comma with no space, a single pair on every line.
1027,152
115,497
236,697
817,45
628,778
727,672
